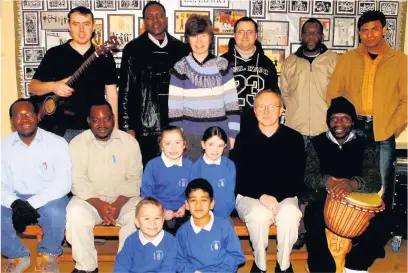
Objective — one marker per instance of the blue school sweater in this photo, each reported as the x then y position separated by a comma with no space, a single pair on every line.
222,179
138,258
217,250
167,185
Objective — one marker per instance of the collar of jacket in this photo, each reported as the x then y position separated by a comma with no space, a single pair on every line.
385,47
299,52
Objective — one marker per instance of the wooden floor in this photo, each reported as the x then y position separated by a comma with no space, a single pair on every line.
393,262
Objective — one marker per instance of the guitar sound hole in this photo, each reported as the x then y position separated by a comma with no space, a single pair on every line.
49,106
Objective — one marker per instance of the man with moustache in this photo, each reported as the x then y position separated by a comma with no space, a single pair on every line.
304,79
35,179
107,172
145,78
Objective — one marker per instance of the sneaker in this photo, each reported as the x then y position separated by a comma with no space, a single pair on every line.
255,269
84,271
17,265
278,269
49,264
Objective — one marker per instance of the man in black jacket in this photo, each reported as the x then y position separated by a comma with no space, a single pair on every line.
144,80
253,71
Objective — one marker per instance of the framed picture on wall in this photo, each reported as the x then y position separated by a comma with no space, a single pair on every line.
277,6
56,38
326,22
339,50
277,56
345,7
344,29
31,28
224,20
364,6
29,71
222,45
57,4
294,47
80,3
257,8
27,93
54,20
122,26
141,28
391,34
105,4
32,5
323,7
299,6
389,8
33,54
205,4
99,37
273,33
130,4
181,16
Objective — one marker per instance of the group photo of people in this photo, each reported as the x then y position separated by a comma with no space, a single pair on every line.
179,143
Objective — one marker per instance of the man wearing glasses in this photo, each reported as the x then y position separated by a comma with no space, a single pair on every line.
270,162
304,80
253,71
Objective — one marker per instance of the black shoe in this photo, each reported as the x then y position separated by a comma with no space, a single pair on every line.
300,241
255,269
278,269
83,271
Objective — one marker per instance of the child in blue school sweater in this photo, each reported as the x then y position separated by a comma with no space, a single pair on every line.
206,243
150,248
166,177
218,170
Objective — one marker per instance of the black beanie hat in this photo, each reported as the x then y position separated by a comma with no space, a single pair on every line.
341,105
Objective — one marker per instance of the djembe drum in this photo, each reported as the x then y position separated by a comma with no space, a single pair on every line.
347,218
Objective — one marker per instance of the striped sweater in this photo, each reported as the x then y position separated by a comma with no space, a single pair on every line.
201,96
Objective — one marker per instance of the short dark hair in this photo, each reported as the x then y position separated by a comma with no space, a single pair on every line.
105,103
313,21
81,10
371,16
151,3
215,131
199,184
246,19
197,24
35,106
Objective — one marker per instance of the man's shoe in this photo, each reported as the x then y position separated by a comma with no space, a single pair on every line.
17,265
49,264
255,269
84,271
300,241
278,269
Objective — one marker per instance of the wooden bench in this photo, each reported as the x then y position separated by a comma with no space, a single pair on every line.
113,231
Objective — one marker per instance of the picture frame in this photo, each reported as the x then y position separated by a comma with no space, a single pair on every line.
299,6
326,22
224,20
222,45
273,33
33,54
56,38
54,20
294,47
345,7
391,33
277,56
32,5
99,35
181,16
57,4
321,7
31,28
26,93
83,3
257,8
364,5
141,26
104,5
277,6
205,4
130,4
29,71
122,26
183,38
344,31
389,8
339,50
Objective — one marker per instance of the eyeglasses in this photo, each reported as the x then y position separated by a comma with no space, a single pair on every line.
270,107
309,33
247,32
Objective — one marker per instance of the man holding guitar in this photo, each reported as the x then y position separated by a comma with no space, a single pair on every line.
76,95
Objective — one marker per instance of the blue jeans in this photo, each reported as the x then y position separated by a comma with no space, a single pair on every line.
52,221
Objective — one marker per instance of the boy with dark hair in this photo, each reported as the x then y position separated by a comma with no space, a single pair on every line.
206,243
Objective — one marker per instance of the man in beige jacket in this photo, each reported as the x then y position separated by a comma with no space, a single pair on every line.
107,172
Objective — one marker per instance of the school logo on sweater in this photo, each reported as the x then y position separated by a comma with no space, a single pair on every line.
158,255
221,183
215,246
183,182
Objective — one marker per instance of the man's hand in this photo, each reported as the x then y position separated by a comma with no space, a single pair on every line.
271,204
168,214
340,188
181,211
131,132
117,206
23,215
104,209
61,89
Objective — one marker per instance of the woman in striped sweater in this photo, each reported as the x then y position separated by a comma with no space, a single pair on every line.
202,90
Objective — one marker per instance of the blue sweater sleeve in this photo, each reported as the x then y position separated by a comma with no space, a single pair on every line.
235,256
182,262
123,261
176,105
148,180
230,191
169,262
231,104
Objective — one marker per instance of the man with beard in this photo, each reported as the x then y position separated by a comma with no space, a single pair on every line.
304,79
145,78
253,71
107,173
35,179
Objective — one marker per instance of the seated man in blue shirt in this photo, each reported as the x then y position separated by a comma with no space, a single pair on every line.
206,243
35,179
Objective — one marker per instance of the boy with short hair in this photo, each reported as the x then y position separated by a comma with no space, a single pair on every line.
206,243
150,248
